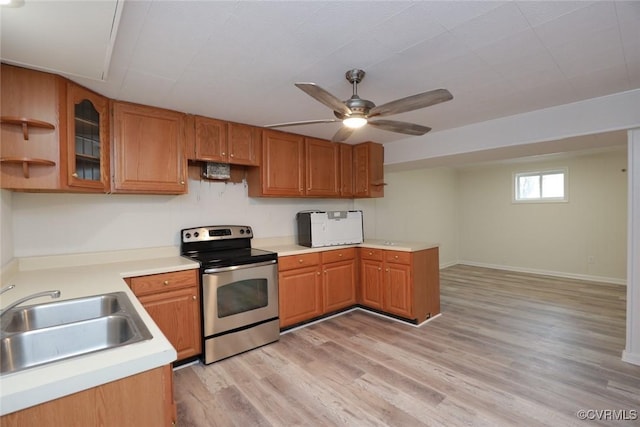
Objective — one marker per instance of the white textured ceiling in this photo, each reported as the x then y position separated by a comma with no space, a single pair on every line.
239,60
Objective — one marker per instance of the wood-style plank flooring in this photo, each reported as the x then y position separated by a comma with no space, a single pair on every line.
509,349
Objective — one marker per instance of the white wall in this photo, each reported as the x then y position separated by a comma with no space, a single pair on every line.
548,237
6,226
418,205
48,224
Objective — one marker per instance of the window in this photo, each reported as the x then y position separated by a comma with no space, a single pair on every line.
545,186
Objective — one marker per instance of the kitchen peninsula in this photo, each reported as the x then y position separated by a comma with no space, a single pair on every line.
85,275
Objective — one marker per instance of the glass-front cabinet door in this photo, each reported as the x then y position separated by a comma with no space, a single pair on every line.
88,139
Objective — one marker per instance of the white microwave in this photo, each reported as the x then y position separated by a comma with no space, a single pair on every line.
329,228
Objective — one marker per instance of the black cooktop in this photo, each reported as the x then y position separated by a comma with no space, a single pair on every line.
228,258
222,246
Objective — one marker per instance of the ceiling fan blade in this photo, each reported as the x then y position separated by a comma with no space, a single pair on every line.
411,103
305,122
315,91
400,127
342,134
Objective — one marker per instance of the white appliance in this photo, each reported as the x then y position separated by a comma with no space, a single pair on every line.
329,228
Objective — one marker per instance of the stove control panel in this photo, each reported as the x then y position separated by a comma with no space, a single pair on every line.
216,232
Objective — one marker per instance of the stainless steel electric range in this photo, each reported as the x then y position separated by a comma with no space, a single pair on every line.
239,286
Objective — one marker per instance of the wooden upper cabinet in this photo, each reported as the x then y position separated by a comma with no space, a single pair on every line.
210,140
322,168
282,169
244,144
32,114
368,160
346,170
87,145
224,142
148,150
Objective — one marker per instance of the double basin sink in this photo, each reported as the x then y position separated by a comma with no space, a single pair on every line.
39,334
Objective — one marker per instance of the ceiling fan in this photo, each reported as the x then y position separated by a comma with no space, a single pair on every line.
356,112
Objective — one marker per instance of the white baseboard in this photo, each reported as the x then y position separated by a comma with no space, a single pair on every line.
611,280
633,358
448,264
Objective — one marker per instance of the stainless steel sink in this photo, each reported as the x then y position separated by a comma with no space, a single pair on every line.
58,313
45,333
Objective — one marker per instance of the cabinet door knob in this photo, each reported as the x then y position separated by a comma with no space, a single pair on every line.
339,255
379,268
396,256
231,154
75,175
223,153
166,282
301,261
181,182
194,297
318,273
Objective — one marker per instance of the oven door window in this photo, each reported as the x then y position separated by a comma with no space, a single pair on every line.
241,296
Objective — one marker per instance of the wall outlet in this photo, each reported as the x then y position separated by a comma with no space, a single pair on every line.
591,259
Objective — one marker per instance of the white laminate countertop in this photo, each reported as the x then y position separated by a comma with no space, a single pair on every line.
288,248
20,390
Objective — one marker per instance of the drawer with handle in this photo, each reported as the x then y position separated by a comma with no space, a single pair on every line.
297,261
338,255
398,257
154,283
372,254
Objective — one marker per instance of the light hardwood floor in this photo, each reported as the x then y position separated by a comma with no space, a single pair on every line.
509,349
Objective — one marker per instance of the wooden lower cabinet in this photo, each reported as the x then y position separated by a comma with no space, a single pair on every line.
299,288
406,284
311,285
371,283
339,278
144,400
173,302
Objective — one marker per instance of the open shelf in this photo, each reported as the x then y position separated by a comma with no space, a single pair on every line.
26,163
25,123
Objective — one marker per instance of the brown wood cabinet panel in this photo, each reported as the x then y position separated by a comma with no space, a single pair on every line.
144,400
322,168
300,295
339,285
87,145
346,170
426,278
368,163
371,283
148,145
177,314
210,140
39,96
244,144
398,290
282,170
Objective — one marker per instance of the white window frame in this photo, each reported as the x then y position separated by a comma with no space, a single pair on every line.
541,173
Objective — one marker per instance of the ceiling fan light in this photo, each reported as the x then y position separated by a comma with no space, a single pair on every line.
354,122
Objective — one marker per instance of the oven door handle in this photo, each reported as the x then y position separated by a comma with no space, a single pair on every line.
238,267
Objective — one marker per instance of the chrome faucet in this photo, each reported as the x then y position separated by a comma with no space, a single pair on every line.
6,288
52,294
